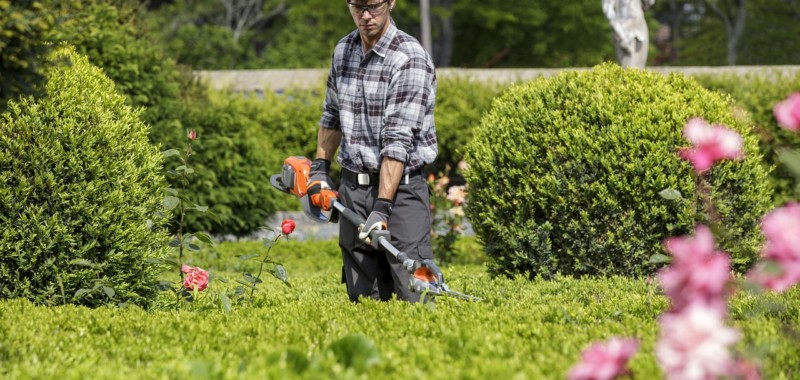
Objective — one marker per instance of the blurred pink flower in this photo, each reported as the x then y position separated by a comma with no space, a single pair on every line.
695,344
191,134
780,269
605,360
710,143
787,112
442,182
195,277
698,272
457,194
747,370
782,230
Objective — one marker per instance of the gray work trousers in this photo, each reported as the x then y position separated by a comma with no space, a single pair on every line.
376,273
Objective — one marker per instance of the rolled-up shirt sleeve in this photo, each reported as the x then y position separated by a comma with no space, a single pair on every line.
407,98
330,107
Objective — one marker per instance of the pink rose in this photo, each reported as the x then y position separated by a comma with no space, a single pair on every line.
710,143
195,277
605,360
287,226
787,112
695,344
191,134
698,272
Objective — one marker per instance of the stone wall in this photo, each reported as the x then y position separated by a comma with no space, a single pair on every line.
277,79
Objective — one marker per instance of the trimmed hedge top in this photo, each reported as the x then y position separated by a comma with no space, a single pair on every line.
565,174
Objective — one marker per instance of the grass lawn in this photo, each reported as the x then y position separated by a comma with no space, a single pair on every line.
521,330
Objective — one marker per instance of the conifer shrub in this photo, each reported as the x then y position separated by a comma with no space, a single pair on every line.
565,174
80,193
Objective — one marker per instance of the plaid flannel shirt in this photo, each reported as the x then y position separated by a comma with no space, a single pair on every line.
382,102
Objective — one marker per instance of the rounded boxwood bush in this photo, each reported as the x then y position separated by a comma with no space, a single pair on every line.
565,174
80,193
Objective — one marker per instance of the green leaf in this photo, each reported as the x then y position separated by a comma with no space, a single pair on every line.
671,194
109,291
81,292
791,159
245,283
280,273
249,278
171,152
174,243
204,237
226,302
660,258
170,202
248,257
201,208
171,191
193,247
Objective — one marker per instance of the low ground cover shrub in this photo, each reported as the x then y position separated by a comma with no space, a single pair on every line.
523,329
80,193
565,174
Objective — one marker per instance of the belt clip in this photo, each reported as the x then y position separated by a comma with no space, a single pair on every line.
363,179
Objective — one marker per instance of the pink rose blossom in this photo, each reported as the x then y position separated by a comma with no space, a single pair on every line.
287,226
710,143
695,344
698,272
457,195
191,134
787,112
195,277
605,360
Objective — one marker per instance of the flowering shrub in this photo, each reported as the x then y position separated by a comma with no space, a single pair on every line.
195,280
694,342
447,216
278,271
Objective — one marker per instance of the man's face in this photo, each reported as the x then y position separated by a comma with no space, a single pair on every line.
371,17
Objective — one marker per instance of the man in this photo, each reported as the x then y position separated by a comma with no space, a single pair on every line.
378,112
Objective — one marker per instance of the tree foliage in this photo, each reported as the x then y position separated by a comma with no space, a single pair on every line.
22,47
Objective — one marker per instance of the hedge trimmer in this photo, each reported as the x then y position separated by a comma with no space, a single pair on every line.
325,207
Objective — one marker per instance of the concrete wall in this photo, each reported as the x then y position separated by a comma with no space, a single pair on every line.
261,80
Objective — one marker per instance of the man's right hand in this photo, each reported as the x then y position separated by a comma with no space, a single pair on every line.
319,179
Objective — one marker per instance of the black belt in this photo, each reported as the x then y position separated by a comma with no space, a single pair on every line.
373,179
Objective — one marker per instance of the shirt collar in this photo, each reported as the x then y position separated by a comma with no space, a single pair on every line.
382,47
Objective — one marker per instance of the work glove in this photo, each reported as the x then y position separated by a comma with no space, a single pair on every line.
377,219
318,178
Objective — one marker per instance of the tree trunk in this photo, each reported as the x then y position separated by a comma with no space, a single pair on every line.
442,20
732,13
